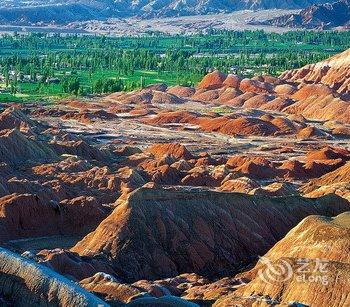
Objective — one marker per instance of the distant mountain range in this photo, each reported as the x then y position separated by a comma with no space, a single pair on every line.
318,16
61,12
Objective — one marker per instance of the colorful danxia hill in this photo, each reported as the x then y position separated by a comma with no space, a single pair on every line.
233,193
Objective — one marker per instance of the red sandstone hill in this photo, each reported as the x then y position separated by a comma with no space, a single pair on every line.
233,124
18,148
212,81
339,176
163,232
334,72
323,90
24,216
316,91
316,240
177,151
328,153
13,118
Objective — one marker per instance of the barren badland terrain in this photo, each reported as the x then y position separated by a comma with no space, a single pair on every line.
168,195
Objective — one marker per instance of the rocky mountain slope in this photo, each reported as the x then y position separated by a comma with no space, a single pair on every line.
68,11
57,12
313,248
185,236
317,16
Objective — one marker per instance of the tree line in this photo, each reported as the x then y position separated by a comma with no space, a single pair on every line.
73,61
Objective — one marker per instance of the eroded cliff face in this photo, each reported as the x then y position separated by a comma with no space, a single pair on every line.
25,283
